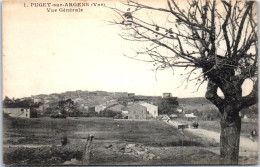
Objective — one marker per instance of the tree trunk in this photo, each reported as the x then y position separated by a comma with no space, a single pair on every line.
229,139
229,107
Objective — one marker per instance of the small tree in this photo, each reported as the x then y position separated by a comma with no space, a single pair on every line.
217,38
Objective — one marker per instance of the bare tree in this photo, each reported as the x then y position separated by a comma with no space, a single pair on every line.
217,38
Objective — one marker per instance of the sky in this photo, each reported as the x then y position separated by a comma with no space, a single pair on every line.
56,52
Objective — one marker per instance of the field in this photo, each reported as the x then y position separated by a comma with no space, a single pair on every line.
202,105
246,126
116,142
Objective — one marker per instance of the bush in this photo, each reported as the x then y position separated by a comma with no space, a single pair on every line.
33,113
64,140
74,114
119,116
108,113
48,111
58,116
90,114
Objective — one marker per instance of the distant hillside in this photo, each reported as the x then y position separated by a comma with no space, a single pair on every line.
202,104
196,103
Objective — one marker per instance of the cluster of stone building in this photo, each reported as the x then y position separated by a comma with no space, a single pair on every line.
22,112
140,110
127,104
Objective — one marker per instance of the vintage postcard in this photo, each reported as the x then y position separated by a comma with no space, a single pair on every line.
132,82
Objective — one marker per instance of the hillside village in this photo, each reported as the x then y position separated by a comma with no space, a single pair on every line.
120,105
96,103
125,127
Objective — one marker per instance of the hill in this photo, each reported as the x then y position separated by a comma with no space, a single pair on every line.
196,103
200,106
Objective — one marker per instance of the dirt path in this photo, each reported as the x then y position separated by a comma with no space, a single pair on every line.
247,146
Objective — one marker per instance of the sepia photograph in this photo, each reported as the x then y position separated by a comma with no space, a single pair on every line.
129,82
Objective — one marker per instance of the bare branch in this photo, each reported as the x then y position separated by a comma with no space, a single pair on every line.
224,27
192,37
250,4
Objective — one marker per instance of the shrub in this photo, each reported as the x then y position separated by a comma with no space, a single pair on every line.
64,140
108,113
91,114
33,113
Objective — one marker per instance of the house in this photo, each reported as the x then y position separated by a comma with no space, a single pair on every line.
37,100
115,108
131,94
111,102
91,106
137,111
93,93
120,94
18,112
165,95
43,107
152,109
125,111
101,93
78,100
130,103
191,116
140,98
125,100
173,116
99,108
84,107
179,109
46,100
163,117
91,109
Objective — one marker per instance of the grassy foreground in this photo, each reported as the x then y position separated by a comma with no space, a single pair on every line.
116,142
44,131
